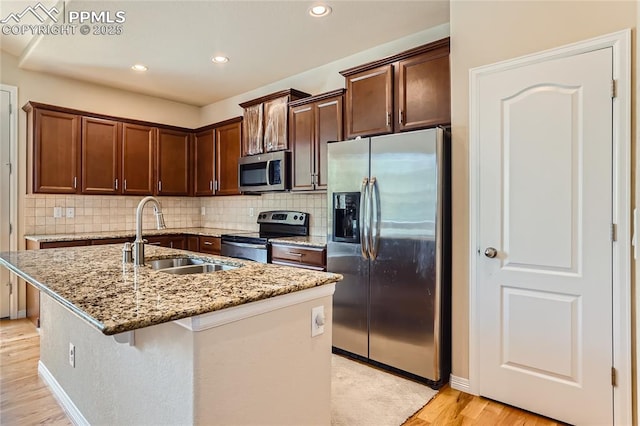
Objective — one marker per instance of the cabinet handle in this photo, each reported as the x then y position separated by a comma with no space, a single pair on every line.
75,182
125,184
293,253
116,184
154,244
217,185
400,115
208,243
159,186
388,119
210,185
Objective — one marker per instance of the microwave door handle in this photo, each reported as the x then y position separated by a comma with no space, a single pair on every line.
267,171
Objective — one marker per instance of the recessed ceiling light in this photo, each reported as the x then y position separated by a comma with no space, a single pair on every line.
220,59
319,10
139,67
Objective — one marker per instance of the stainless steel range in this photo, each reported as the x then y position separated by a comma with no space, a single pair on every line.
273,224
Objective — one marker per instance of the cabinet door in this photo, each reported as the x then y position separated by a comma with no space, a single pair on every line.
275,124
302,130
252,130
138,150
172,163
56,152
204,160
228,139
100,156
370,102
424,90
193,243
328,128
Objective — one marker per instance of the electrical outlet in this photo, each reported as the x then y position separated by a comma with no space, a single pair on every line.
203,211
72,355
250,211
71,212
317,321
57,212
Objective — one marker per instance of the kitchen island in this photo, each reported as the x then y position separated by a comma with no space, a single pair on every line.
226,347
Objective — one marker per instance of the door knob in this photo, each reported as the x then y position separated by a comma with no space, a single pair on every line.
490,252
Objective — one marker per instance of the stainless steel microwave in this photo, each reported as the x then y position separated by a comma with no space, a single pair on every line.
264,172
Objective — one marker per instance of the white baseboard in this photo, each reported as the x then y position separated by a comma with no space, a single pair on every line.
69,407
22,313
460,383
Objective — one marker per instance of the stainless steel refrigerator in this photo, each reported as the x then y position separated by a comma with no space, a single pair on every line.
389,235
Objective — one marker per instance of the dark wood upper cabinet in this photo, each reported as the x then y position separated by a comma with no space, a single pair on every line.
301,125
424,90
101,159
265,125
204,163
54,150
138,153
407,91
313,122
228,140
172,162
370,102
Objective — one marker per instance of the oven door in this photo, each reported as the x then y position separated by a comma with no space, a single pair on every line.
246,251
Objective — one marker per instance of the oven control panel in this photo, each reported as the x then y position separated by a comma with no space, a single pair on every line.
283,217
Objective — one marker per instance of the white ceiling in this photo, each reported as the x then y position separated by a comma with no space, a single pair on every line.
266,41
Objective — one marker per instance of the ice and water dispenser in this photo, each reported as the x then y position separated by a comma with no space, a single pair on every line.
346,214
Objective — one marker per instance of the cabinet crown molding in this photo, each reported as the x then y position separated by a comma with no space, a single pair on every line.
436,45
315,98
292,93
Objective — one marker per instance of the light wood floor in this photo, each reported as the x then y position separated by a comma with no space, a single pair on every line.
26,400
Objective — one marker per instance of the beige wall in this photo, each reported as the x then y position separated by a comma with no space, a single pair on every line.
324,78
484,32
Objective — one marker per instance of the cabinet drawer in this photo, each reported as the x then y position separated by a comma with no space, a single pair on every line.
210,245
299,255
58,244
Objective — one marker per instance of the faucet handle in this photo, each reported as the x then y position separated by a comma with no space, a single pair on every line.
127,253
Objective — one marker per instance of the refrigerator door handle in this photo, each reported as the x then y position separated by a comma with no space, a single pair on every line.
364,246
374,218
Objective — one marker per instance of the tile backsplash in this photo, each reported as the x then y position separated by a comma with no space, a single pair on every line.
117,213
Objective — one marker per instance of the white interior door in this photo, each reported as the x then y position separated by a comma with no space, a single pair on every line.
544,302
5,199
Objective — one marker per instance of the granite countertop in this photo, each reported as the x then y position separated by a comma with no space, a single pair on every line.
114,297
208,232
308,240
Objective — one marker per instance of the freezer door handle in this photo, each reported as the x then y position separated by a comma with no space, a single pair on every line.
364,250
374,218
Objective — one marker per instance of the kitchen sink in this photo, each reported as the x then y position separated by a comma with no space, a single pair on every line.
176,261
197,269
187,265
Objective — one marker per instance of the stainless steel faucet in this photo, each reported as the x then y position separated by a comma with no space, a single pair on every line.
138,244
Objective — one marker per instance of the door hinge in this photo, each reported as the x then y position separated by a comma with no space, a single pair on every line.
10,168
614,232
10,109
613,377
10,285
614,88
10,229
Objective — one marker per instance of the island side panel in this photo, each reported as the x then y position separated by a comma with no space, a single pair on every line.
112,383
266,369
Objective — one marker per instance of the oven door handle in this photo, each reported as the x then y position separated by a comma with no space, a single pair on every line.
246,245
